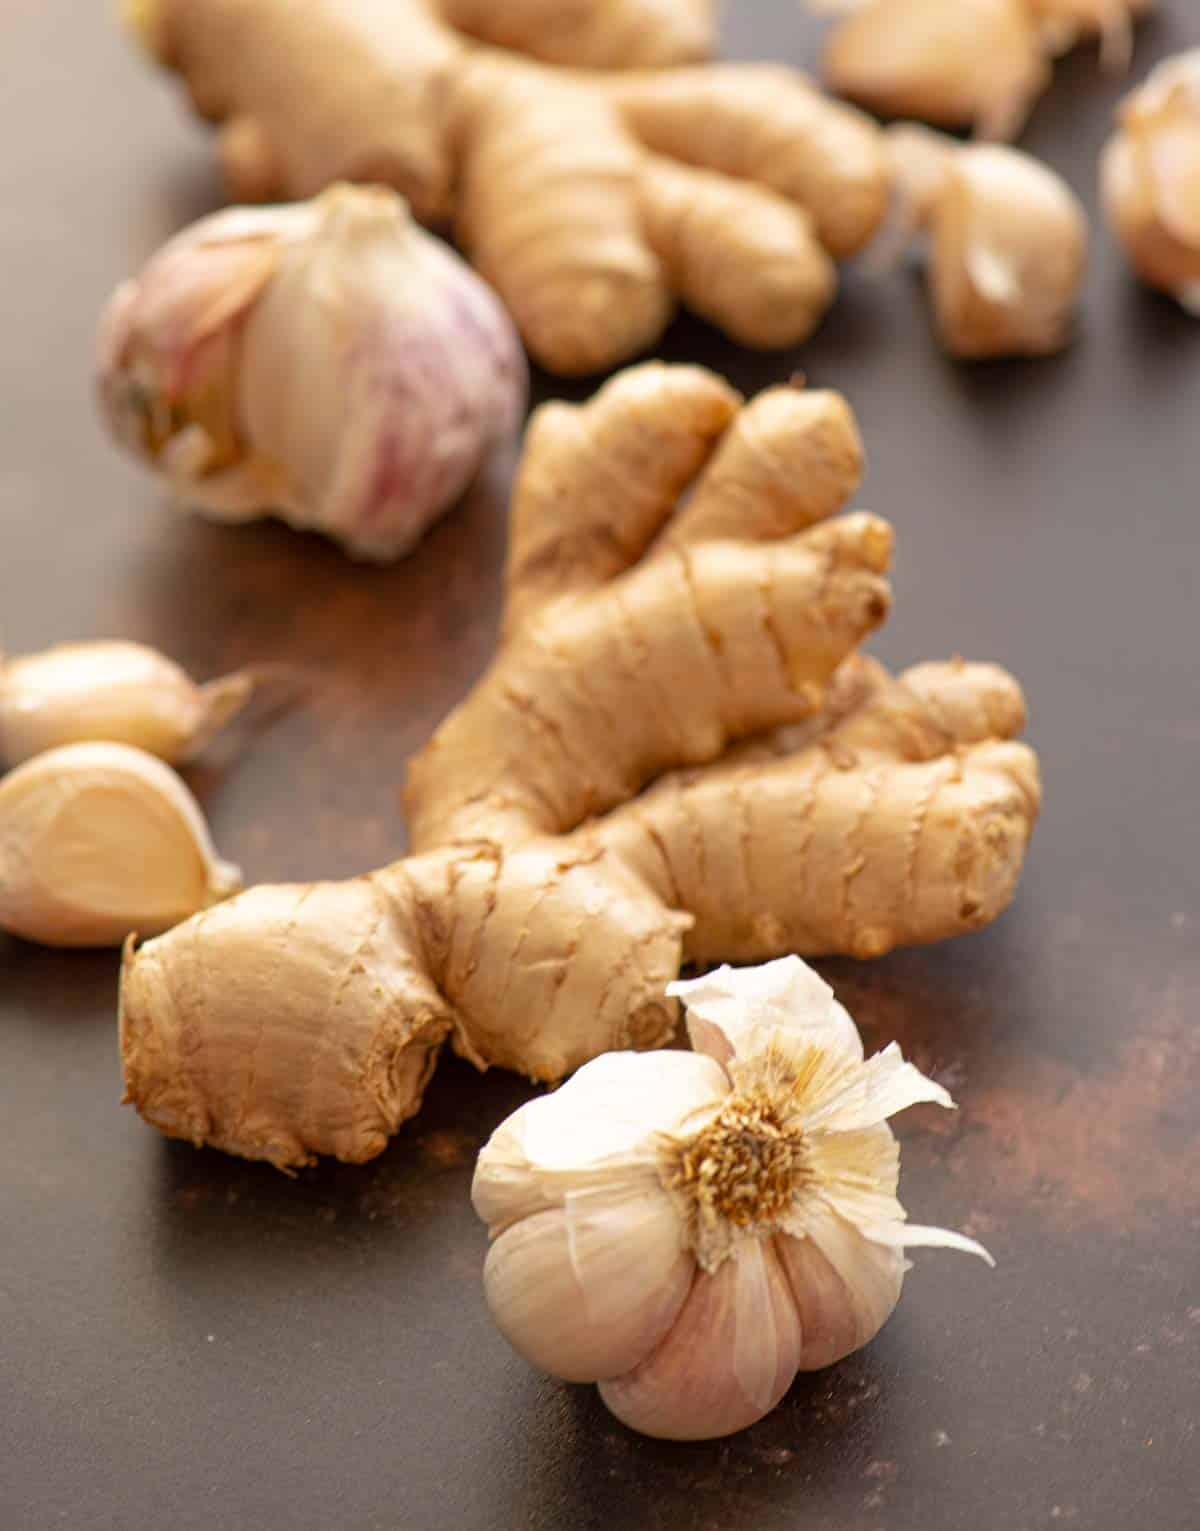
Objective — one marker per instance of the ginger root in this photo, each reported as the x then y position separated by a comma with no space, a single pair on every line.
590,198
684,610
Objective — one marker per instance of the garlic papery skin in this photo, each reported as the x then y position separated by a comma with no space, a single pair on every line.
956,63
328,362
1066,23
125,693
690,1230
99,842
1150,179
1007,243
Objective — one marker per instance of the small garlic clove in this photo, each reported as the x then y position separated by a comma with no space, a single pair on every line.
588,1289
124,693
607,1121
955,63
1008,254
728,1359
845,1287
99,841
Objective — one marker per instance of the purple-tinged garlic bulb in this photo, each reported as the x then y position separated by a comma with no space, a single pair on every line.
690,1230
327,362
1150,176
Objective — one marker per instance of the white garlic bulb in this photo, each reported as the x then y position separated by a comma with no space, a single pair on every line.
1150,176
1007,243
690,1230
329,362
99,842
121,692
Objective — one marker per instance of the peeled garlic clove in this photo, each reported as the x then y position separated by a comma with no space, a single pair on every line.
121,692
98,841
328,362
604,1126
588,1289
1150,179
726,1362
1007,256
845,1288
956,63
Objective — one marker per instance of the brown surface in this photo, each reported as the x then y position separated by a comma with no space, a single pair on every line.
186,1341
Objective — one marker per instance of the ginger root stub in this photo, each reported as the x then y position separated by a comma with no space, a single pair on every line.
592,186
676,756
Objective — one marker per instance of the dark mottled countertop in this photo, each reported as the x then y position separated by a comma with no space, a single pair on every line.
189,1341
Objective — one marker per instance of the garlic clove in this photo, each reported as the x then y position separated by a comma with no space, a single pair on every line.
98,841
966,63
608,1119
727,1360
727,1010
1008,253
121,692
588,1289
845,1287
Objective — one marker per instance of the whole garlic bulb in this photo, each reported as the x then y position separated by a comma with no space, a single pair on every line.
99,842
329,362
1150,178
121,692
690,1230
1008,243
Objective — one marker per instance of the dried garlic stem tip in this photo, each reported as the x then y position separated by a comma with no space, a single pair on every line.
100,841
956,63
121,692
328,362
1008,243
1066,23
1150,176
690,1230
145,19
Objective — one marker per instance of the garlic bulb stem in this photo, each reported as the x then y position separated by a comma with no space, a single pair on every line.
690,1230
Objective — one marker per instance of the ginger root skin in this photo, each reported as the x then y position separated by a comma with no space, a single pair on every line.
594,186
677,756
